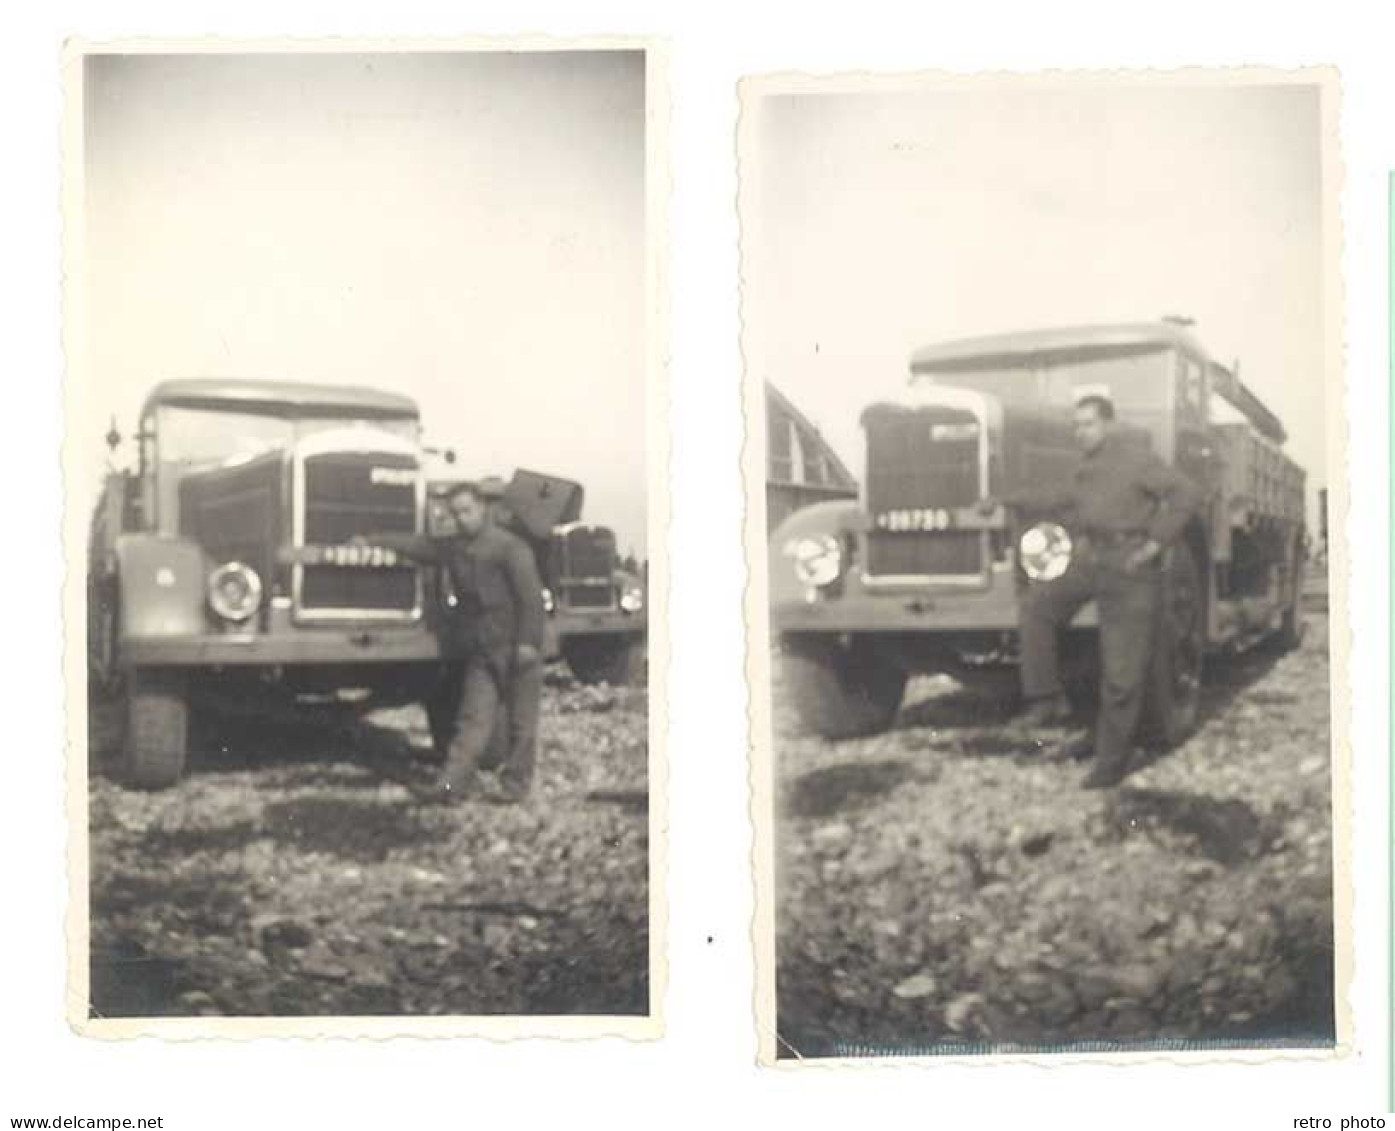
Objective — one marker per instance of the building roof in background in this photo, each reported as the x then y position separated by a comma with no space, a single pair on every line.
776,401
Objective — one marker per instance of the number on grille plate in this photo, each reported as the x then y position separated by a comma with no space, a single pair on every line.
914,519
354,557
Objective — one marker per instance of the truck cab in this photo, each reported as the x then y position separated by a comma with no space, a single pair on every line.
222,559
912,576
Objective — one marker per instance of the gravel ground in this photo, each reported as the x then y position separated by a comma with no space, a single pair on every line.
292,874
945,888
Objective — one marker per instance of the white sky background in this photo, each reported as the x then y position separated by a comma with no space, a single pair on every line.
884,221
464,228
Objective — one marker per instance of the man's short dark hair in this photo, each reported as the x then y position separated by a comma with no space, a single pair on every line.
465,487
1101,404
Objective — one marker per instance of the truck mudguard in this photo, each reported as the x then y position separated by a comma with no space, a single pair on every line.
163,586
835,516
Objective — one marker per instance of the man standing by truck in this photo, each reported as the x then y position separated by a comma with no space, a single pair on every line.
1126,506
500,607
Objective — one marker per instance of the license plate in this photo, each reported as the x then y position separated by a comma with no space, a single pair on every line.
911,520
351,557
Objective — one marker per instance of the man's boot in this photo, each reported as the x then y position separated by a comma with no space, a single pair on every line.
515,780
1106,774
1078,748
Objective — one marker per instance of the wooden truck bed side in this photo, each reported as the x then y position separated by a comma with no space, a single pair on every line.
1258,480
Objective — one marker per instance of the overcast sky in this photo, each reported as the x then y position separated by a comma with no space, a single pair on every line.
464,228
889,220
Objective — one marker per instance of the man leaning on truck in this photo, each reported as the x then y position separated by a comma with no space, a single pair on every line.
501,609
1126,505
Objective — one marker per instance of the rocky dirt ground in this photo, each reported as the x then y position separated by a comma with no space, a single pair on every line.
291,873
944,887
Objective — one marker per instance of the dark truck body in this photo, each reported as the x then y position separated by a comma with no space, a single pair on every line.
927,583
597,619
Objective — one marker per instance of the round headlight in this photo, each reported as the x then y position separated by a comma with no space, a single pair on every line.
631,599
234,591
1044,551
818,560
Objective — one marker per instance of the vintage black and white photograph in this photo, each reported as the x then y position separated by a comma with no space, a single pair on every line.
1041,381
365,544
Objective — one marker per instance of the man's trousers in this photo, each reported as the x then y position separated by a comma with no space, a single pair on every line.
1128,604
496,713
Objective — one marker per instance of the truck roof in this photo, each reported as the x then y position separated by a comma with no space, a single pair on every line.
1025,343
1104,336
279,397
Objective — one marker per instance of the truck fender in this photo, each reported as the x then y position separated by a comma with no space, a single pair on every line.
837,517
162,586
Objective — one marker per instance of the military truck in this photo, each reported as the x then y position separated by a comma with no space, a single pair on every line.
222,559
914,577
596,606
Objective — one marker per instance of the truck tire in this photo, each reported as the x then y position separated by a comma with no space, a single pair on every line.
600,659
1290,634
842,692
156,744
1172,695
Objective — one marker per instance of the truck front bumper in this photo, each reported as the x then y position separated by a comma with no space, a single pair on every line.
609,622
322,646
908,612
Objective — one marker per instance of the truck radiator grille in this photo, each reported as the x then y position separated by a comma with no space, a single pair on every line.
589,595
584,560
586,551
350,493
925,458
343,590
924,555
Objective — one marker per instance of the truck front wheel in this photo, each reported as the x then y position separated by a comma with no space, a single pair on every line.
842,692
600,659
1291,628
156,743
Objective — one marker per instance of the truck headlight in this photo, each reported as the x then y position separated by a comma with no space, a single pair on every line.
1044,551
818,560
631,599
234,591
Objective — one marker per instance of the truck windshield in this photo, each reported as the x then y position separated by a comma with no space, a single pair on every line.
198,438
1138,382
192,440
